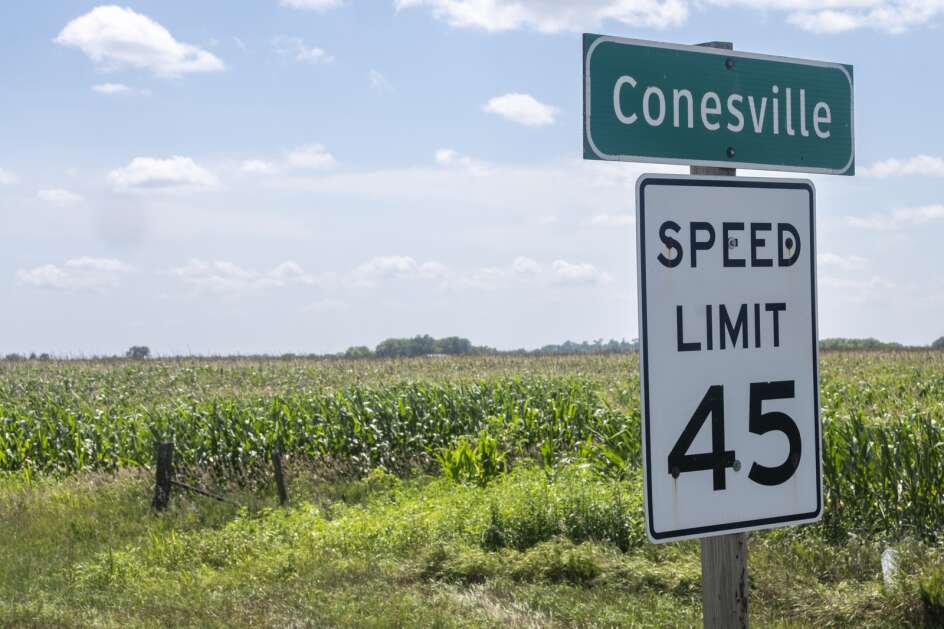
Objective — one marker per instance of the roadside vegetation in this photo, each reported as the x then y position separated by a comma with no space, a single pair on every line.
475,491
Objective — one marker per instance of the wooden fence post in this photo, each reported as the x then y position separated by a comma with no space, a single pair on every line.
724,581
163,476
279,476
723,558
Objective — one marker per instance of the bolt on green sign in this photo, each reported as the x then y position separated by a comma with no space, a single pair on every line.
692,105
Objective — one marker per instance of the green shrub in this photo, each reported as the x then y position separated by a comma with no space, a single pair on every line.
463,564
932,595
493,537
558,560
571,506
477,463
555,561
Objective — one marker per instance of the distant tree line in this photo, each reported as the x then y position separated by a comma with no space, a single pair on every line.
138,352
426,345
32,356
868,343
598,346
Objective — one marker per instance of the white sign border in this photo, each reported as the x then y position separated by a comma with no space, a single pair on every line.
708,162
747,525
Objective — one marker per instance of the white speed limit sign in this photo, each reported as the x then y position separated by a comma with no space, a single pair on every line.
727,311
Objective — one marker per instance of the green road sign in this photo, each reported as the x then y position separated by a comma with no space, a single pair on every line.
692,105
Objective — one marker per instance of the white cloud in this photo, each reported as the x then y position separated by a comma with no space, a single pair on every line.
398,267
844,263
560,190
388,266
379,82
384,269
523,265
897,219
839,16
565,273
874,222
7,178
227,278
825,22
175,173
296,48
445,157
610,220
552,16
323,306
290,273
919,215
112,89
58,196
891,16
116,38
925,165
311,157
487,278
95,274
379,270
312,5
523,109
452,159
305,157
874,289
258,167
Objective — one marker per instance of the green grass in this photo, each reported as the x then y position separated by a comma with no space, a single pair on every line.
386,552
475,492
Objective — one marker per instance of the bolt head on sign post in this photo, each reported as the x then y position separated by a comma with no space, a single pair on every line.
697,106
727,310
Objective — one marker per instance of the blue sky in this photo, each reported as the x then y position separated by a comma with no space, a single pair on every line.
306,175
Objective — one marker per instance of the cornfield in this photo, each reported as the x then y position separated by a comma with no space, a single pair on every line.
882,413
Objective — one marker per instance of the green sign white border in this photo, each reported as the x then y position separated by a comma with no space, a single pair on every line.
705,162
